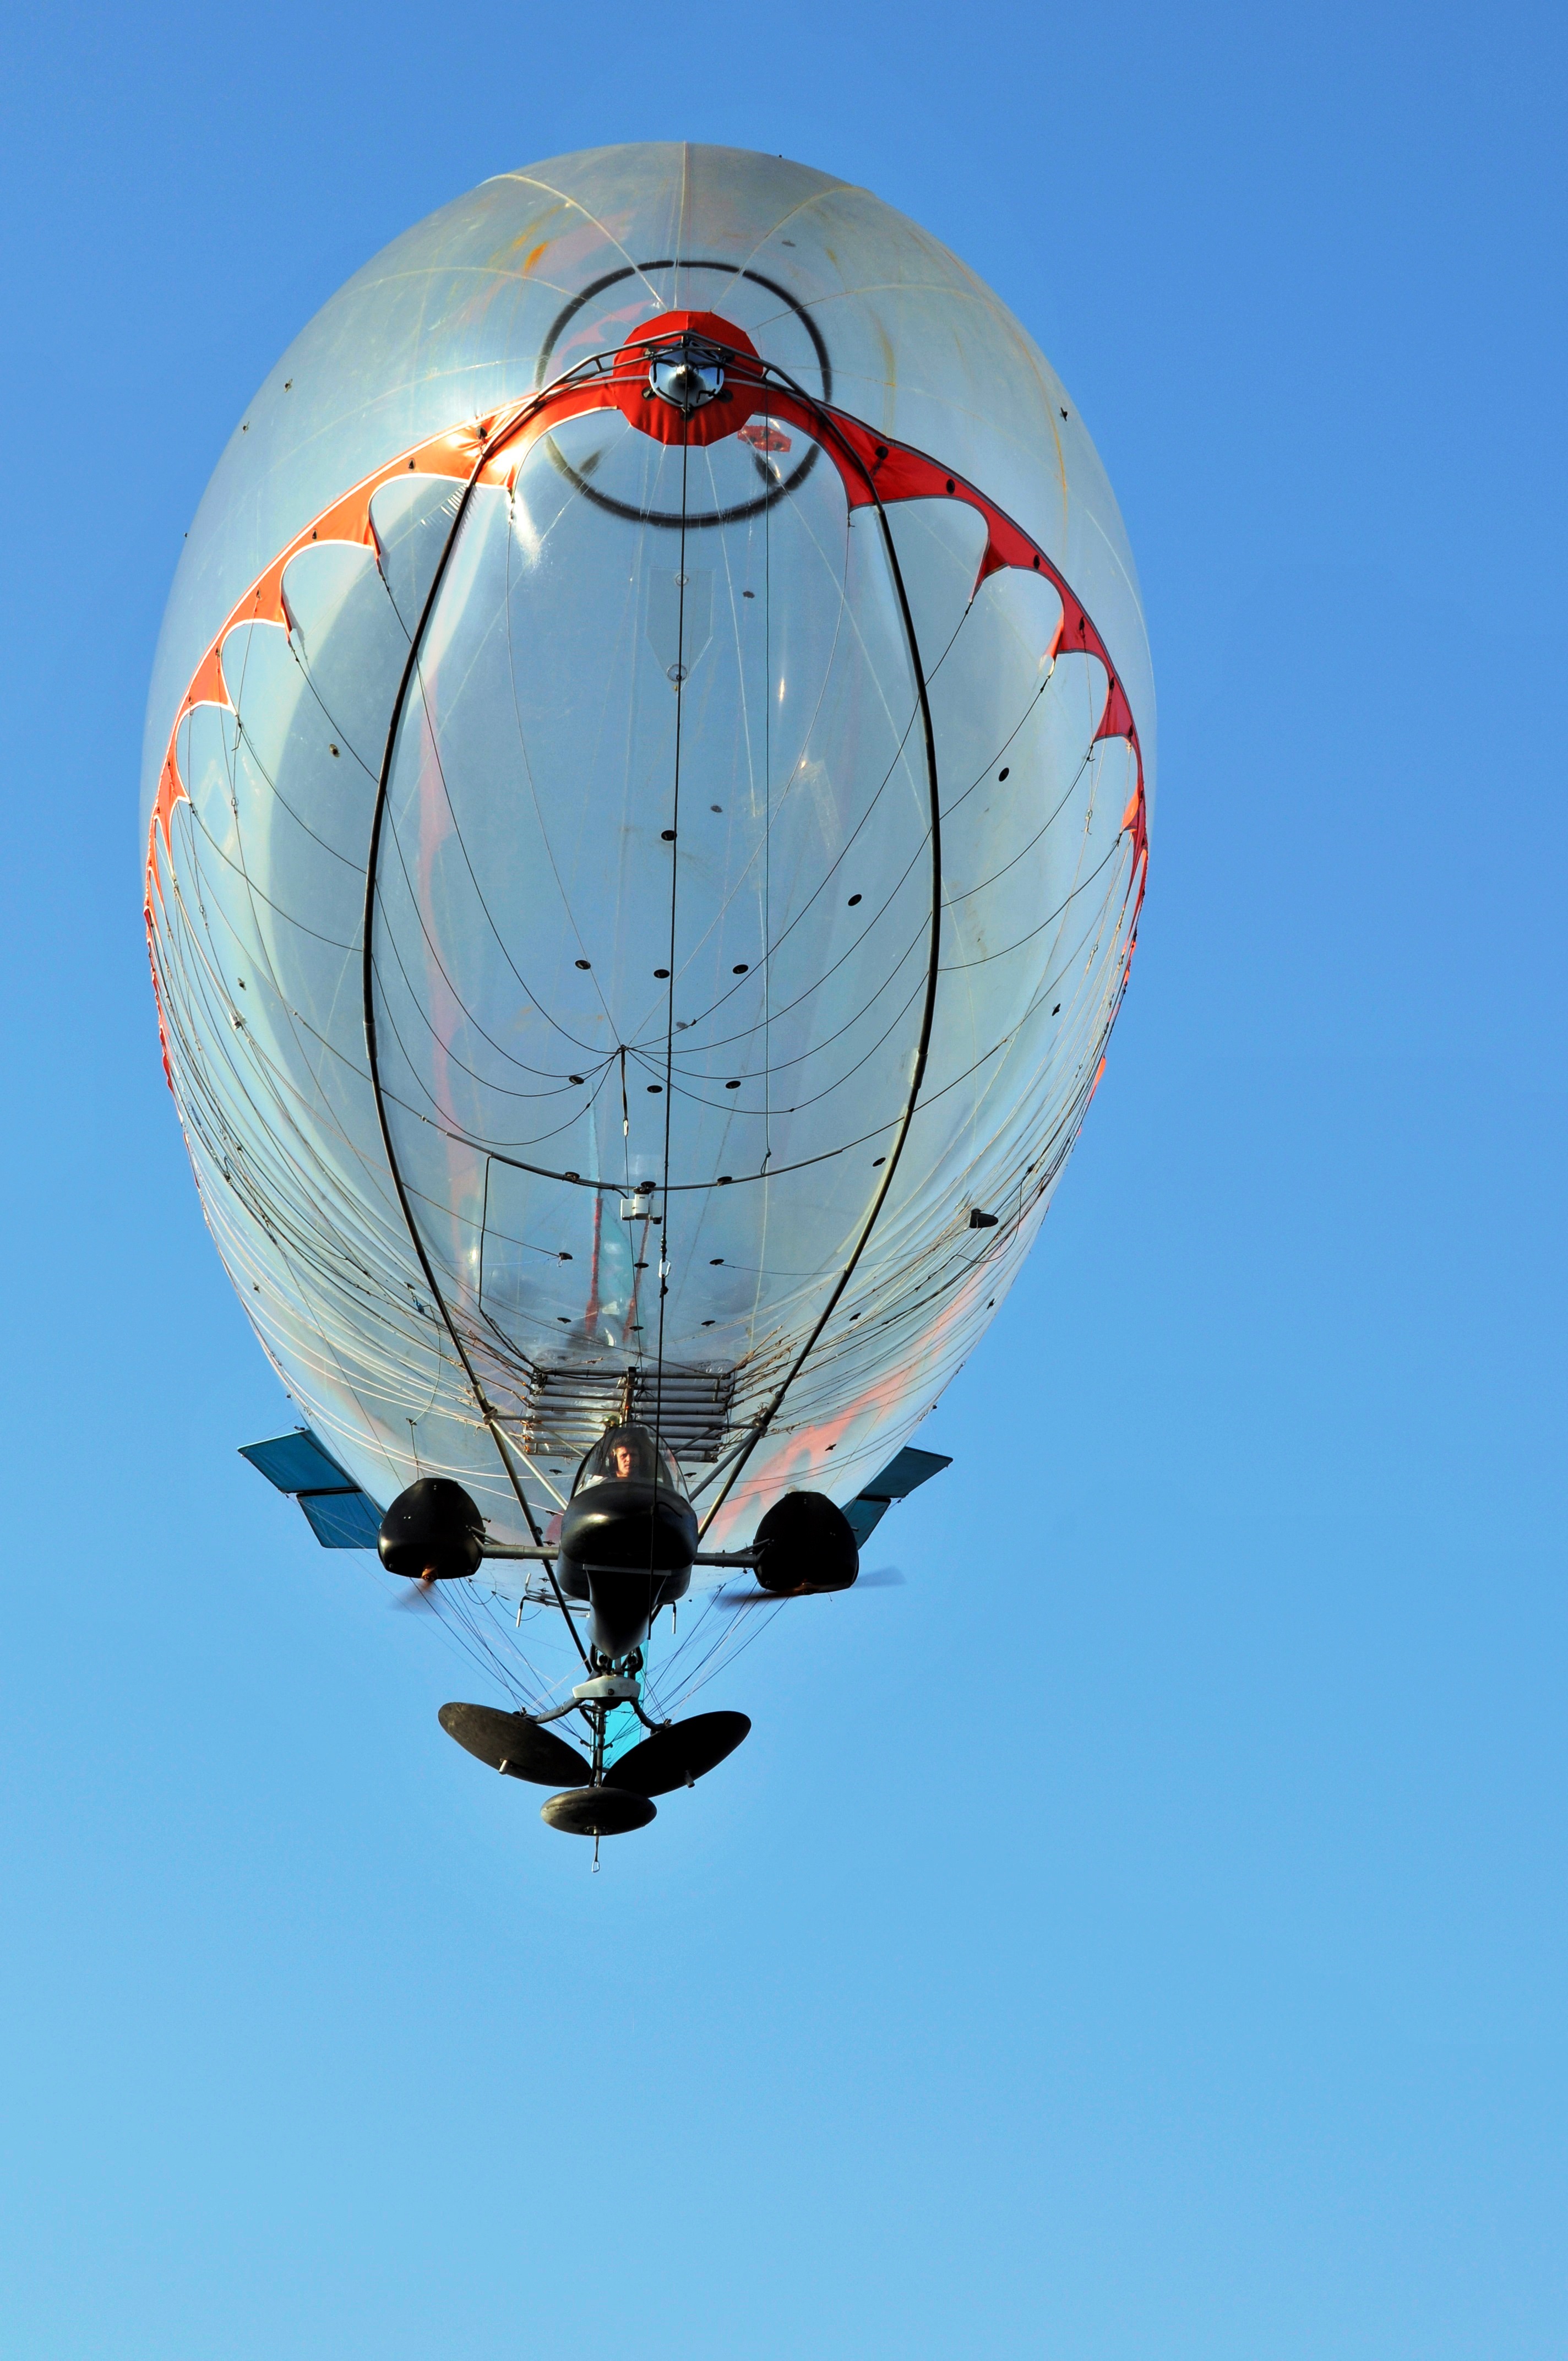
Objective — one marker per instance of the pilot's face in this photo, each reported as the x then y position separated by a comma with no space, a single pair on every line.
623,1460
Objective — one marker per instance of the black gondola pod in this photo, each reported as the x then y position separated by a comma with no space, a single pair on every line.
629,1536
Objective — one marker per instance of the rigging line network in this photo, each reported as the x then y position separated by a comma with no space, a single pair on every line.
825,975
821,692
895,1153
532,788
1062,1133
1089,765
461,1623
228,861
680,1188
798,917
459,1636
264,1072
500,1640
668,1674
416,903
265,1181
957,967
664,1250
506,1054
251,748
443,1123
562,1083
690,1083
952,899
743,1627
369,1001
1051,983
667,1107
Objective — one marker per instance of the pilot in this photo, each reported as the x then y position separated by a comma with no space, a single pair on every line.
625,1452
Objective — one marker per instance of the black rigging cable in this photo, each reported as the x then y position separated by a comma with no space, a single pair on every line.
765,1418
382,784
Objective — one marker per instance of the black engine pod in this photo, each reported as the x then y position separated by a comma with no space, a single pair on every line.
432,1532
805,1543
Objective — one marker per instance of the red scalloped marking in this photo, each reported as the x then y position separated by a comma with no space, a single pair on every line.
871,467
451,453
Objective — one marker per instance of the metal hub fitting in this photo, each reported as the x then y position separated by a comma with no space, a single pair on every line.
608,1688
689,373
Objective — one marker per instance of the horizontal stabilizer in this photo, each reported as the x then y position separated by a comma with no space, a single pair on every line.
297,1463
904,1473
341,1519
340,1515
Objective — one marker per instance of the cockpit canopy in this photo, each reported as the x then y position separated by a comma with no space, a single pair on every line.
627,1451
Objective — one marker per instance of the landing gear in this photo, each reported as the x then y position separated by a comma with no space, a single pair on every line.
596,1812
612,1799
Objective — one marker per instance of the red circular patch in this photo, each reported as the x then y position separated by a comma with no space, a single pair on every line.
740,396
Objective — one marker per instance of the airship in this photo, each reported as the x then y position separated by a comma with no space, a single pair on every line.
646,813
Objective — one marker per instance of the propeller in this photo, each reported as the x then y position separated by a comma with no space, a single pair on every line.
880,1578
412,1593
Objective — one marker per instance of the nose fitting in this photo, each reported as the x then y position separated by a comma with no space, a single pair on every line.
689,374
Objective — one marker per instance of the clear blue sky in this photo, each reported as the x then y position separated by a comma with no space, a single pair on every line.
1141,1937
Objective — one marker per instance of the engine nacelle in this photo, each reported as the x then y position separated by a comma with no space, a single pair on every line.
805,1543
432,1532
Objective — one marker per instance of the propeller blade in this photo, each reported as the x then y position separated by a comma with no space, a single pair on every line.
881,1578
414,1594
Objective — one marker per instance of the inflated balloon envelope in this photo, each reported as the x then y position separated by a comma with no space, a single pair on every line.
647,792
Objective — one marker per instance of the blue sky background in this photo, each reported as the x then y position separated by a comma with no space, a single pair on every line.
1141,1938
